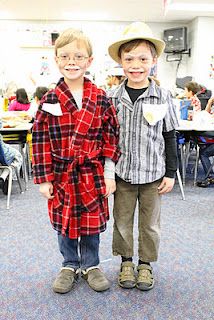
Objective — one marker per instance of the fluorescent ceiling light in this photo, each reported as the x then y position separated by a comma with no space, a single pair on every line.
202,7
91,16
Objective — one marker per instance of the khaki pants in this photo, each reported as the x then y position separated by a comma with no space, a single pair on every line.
149,202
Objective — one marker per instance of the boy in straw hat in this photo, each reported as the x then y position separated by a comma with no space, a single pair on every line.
75,133
148,161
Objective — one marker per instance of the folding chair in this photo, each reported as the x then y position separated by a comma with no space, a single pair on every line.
180,144
199,140
183,151
196,167
210,169
19,138
7,172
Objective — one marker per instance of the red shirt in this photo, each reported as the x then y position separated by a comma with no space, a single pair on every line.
195,102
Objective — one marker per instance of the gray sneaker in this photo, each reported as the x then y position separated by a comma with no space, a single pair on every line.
65,280
96,279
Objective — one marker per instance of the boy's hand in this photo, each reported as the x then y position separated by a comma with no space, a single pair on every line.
110,187
211,101
166,185
46,189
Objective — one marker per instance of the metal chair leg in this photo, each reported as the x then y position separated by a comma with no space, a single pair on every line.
18,179
183,166
180,184
196,165
9,186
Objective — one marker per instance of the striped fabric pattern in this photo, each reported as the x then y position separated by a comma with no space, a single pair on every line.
142,145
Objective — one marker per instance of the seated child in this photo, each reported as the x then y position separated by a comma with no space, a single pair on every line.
8,156
191,90
39,93
207,151
210,106
21,103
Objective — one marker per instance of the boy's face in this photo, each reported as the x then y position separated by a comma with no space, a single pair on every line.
137,64
187,93
72,61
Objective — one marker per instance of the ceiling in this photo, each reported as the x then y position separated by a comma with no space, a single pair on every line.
99,10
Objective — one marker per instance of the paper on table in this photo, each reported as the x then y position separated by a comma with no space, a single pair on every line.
203,119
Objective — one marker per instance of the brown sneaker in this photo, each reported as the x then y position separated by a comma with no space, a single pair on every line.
96,279
126,277
145,280
65,280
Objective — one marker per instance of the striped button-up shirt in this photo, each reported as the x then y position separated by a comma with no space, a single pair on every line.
142,125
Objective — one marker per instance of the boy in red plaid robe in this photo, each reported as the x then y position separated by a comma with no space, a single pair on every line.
75,139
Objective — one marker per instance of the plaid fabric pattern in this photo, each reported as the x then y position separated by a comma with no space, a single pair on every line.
196,103
142,145
69,151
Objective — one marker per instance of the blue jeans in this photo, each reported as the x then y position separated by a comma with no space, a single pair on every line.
206,151
82,252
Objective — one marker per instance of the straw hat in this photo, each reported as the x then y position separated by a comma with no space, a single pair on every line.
135,30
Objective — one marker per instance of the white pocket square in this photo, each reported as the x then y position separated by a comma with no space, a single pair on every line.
54,109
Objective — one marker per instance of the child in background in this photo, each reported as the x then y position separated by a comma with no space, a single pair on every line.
206,151
74,134
39,93
190,92
148,161
210,106
10,156
21,103
115,77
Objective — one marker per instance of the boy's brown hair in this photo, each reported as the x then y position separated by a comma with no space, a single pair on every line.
71,35
40,92
127,47
193,86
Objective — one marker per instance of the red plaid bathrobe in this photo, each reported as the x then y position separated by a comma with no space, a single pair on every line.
69,150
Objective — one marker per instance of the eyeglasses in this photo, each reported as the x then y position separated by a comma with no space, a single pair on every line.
76,57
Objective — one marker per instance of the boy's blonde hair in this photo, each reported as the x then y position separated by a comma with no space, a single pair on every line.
71,35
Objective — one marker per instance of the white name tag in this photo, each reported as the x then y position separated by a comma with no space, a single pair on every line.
53,109
154,112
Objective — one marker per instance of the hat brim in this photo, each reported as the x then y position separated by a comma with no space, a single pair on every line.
114,48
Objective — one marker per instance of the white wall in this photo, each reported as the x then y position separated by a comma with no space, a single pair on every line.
204,48
18,62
